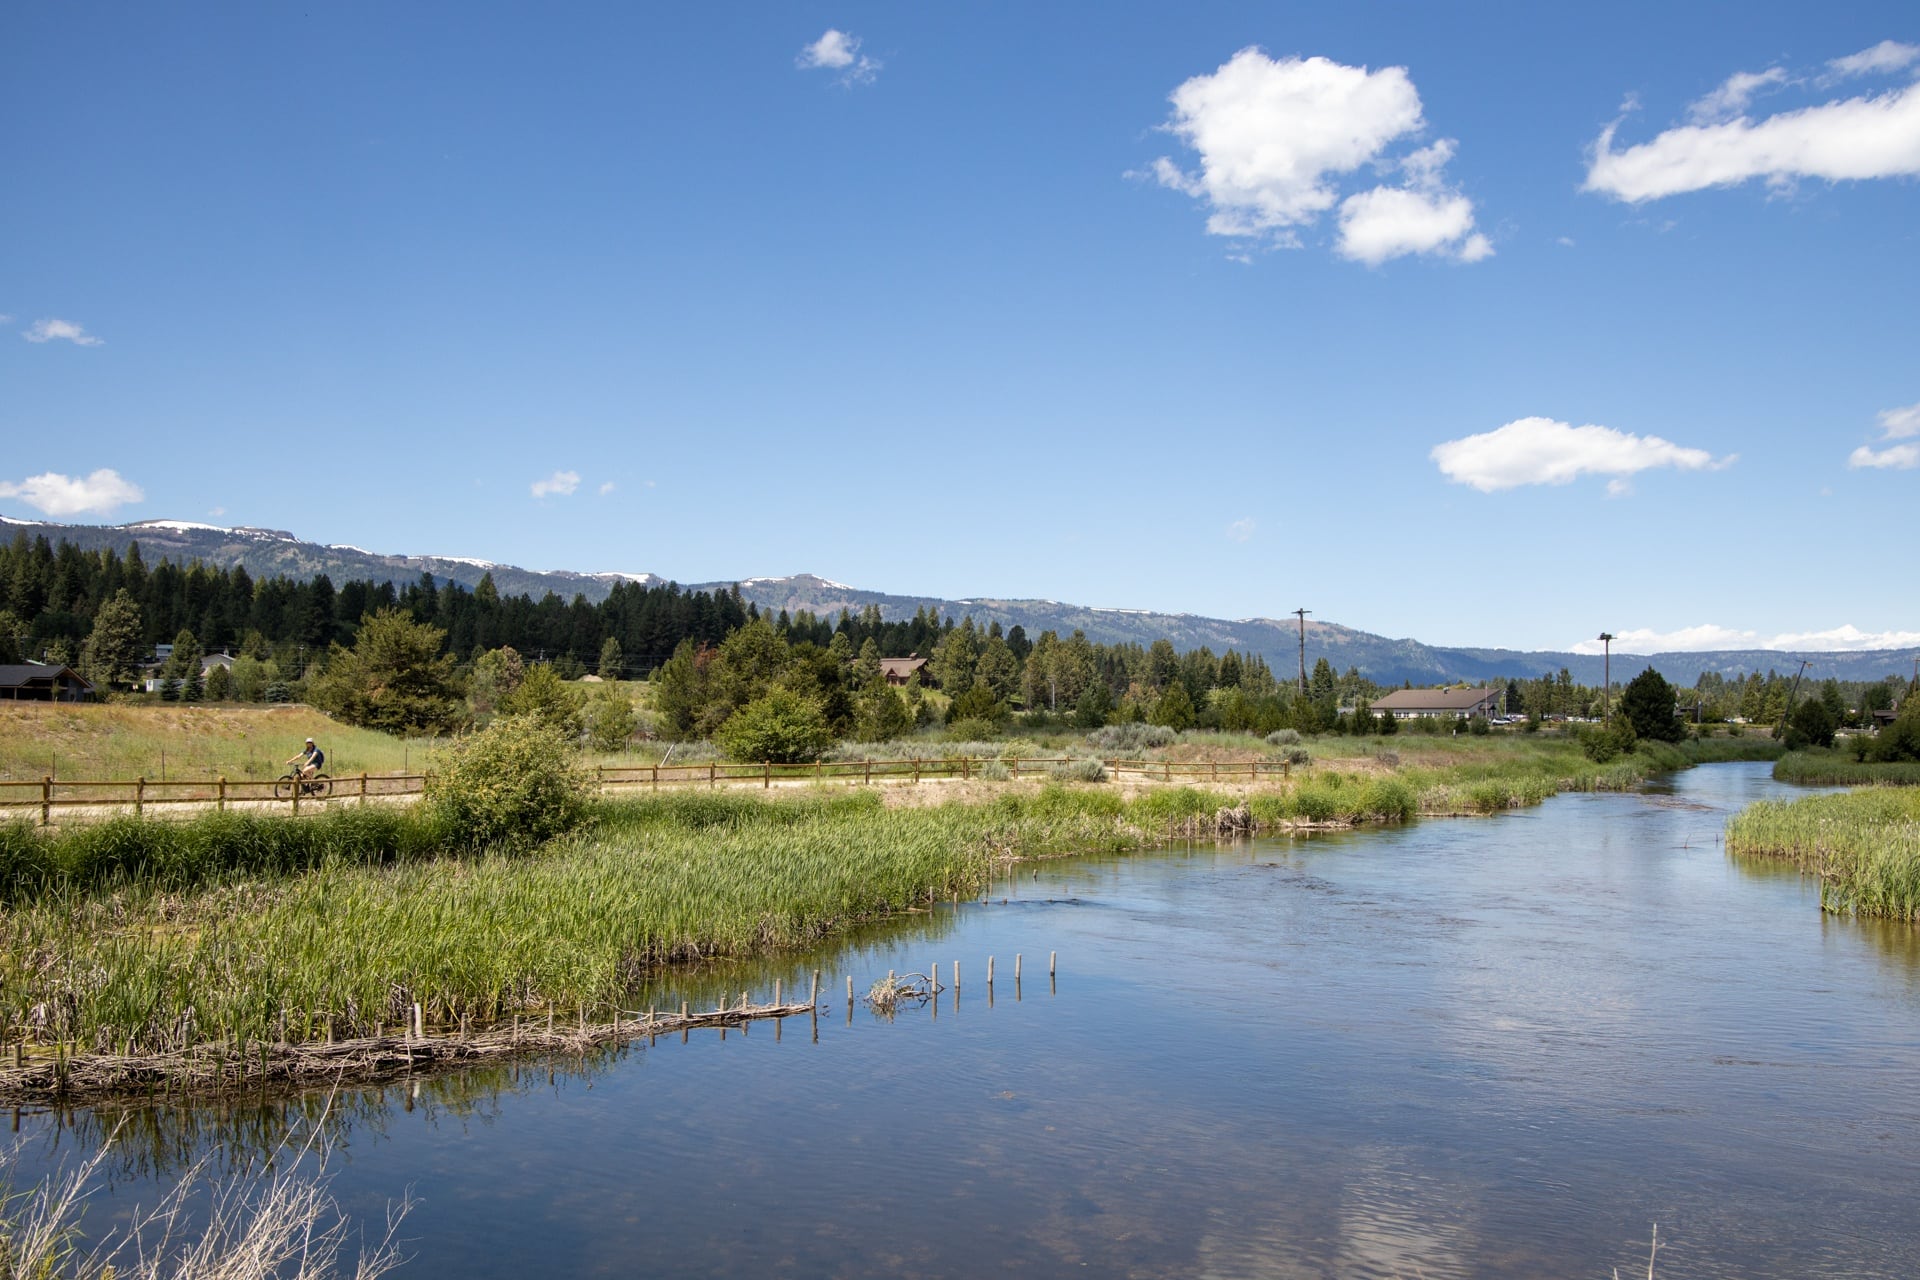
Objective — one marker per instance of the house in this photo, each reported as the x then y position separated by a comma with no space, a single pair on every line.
901,671
1885,716
1457,704
43,682
150,674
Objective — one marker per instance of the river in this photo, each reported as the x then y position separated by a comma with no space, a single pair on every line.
1498,1047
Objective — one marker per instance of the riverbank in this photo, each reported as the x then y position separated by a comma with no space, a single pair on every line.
1864,845
145,940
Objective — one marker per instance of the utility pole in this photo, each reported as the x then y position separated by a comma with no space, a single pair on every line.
1606,680
1303,649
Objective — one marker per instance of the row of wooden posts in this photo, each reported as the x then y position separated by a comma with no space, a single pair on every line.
141,792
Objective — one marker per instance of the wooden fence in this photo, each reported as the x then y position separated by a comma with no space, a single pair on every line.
50,793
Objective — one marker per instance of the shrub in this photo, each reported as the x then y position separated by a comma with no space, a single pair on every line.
1086,769
1131,736
1284,738
972,730
610,720
780,727
995,771
516,781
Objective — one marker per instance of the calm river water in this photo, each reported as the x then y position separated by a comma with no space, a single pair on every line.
1493,1047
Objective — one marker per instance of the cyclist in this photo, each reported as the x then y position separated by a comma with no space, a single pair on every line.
309,760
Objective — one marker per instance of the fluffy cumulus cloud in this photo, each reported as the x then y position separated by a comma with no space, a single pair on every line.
1846,638
62,330
560,484
1241,530
56,495
1276,138
1849,139
1895,424
1542,451
838,51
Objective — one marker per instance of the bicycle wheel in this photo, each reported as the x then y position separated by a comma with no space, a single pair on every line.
283,789
319,786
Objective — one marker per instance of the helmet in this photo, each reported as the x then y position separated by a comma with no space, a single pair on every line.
309,739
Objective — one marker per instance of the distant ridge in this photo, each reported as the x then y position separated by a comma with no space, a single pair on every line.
1388,661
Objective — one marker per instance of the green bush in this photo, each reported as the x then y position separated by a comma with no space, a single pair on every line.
517,781
1087,769
781,727
972,731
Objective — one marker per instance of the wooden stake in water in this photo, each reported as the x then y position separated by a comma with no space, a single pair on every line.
1016,967
1051,957
776,991
989,971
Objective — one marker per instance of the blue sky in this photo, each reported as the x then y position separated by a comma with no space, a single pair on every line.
1482,324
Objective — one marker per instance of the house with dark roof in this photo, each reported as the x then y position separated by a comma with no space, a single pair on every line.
901,671
1457,704
43,682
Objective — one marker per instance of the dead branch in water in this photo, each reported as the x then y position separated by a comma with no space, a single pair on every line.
218,1068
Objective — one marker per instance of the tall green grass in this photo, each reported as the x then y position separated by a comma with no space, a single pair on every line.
1817,767
163,952
211,847
1864,845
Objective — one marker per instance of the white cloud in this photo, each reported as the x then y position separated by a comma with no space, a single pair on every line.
1895,424
57,495
1885,57
1845,638
1898,424
1565,242
1900,457
606,488
838,51
1424,216
1242,529
560,483
1730,100
1847,140
48,330
1274,137
1542,451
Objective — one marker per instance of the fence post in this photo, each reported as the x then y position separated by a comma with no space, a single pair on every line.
819,769
713,775
966,769
46,800
869,778
299,785
656,777
1216,771
139,794
1016,768
223,793
363,788
916,770
766,774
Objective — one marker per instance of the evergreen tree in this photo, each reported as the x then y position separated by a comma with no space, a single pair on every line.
219,684
612,664
394,678
1174,709
1648,705
114,649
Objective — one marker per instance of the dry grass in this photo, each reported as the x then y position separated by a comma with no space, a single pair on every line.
123,741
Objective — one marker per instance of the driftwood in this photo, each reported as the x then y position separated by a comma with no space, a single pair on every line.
211,1069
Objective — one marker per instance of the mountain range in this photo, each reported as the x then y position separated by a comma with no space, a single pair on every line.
1388,661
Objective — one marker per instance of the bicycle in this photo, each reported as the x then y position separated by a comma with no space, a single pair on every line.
318,787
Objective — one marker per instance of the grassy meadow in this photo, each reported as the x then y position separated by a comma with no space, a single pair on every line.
1864,845
122,741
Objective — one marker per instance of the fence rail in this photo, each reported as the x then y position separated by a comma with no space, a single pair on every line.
49,793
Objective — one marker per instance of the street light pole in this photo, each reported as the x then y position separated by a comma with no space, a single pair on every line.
1606,680
1303,649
